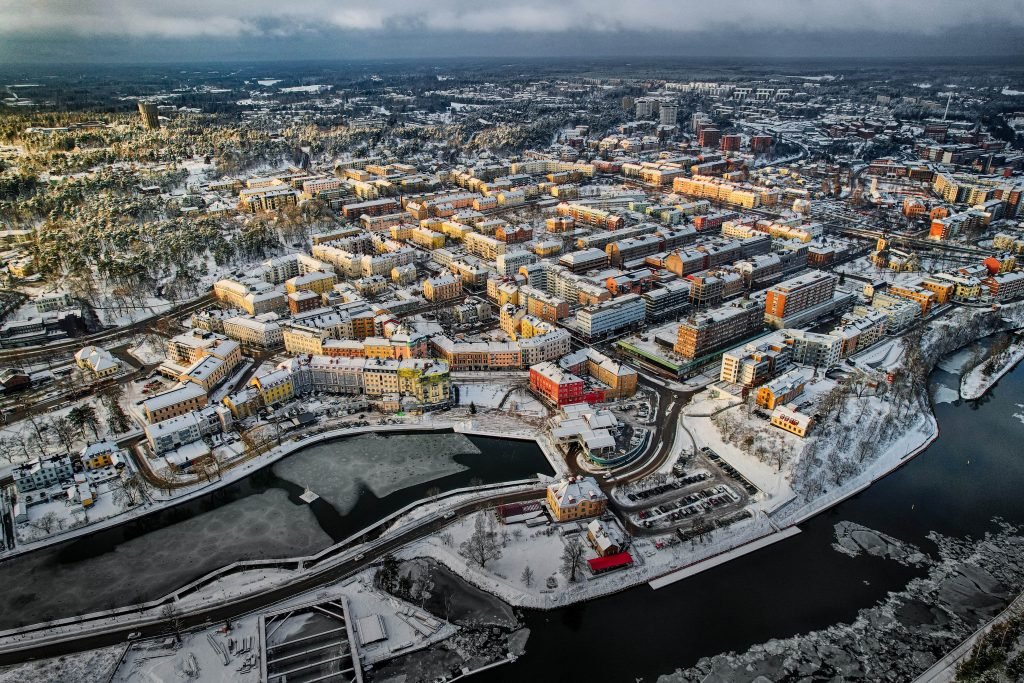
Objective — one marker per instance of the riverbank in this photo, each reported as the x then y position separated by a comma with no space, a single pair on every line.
968,583
944,670
975,383
156,501
240,581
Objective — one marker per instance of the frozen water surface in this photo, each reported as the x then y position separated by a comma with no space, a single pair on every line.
337,470
59,582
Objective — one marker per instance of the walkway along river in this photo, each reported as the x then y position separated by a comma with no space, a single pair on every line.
971,474
259,517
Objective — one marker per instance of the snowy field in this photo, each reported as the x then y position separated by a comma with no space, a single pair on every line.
539,548
337,470
81,667
767,477
500,395
82,576
195,659
149,351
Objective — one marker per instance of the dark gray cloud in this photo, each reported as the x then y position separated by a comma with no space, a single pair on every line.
192,18
673,24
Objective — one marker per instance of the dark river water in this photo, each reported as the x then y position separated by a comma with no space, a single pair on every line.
260,516
973,472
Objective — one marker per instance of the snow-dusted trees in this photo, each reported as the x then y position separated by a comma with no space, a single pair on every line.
527,576
170,614
386,577
482,546
128,491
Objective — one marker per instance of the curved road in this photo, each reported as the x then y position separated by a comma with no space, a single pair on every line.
258,602
71,345
664,430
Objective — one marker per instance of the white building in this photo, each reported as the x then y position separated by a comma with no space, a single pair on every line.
184,429
611,316
262,330
42,473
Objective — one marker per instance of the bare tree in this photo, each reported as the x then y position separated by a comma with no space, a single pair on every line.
20,444
481,547
128,491
7,449
170,614
48,522
37,429
447,601
64,431
572,558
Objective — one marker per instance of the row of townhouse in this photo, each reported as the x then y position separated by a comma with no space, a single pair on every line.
515,355
424,381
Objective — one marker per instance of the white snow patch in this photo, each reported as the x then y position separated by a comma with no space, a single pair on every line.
337,470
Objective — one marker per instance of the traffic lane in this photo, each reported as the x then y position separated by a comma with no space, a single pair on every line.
262,601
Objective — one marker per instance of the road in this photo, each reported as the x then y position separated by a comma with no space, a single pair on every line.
20,355
663,436
264,600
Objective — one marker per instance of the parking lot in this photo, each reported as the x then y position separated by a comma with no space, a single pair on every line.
701,487
729,470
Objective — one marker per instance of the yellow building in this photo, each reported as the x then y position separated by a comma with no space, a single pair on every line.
510,319
243,403
790,420
175,402
301,340
442,288
943,290
575,498
312,282
98,361
620,379
275,387
781,390
922,297
98,455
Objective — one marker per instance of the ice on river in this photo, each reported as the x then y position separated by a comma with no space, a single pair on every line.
956,362
944,394
853,539
59,582
384,464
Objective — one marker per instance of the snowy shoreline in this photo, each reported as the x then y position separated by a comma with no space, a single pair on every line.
974,384
156,503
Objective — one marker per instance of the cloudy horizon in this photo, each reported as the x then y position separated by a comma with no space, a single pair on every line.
121,30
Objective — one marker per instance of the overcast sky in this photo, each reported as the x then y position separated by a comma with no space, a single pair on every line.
134,30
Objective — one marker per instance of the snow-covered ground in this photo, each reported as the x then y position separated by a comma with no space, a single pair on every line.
539,548
80,667
195,659
149,351
773,480
654,556
364,600
500,395
975,383
155,661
